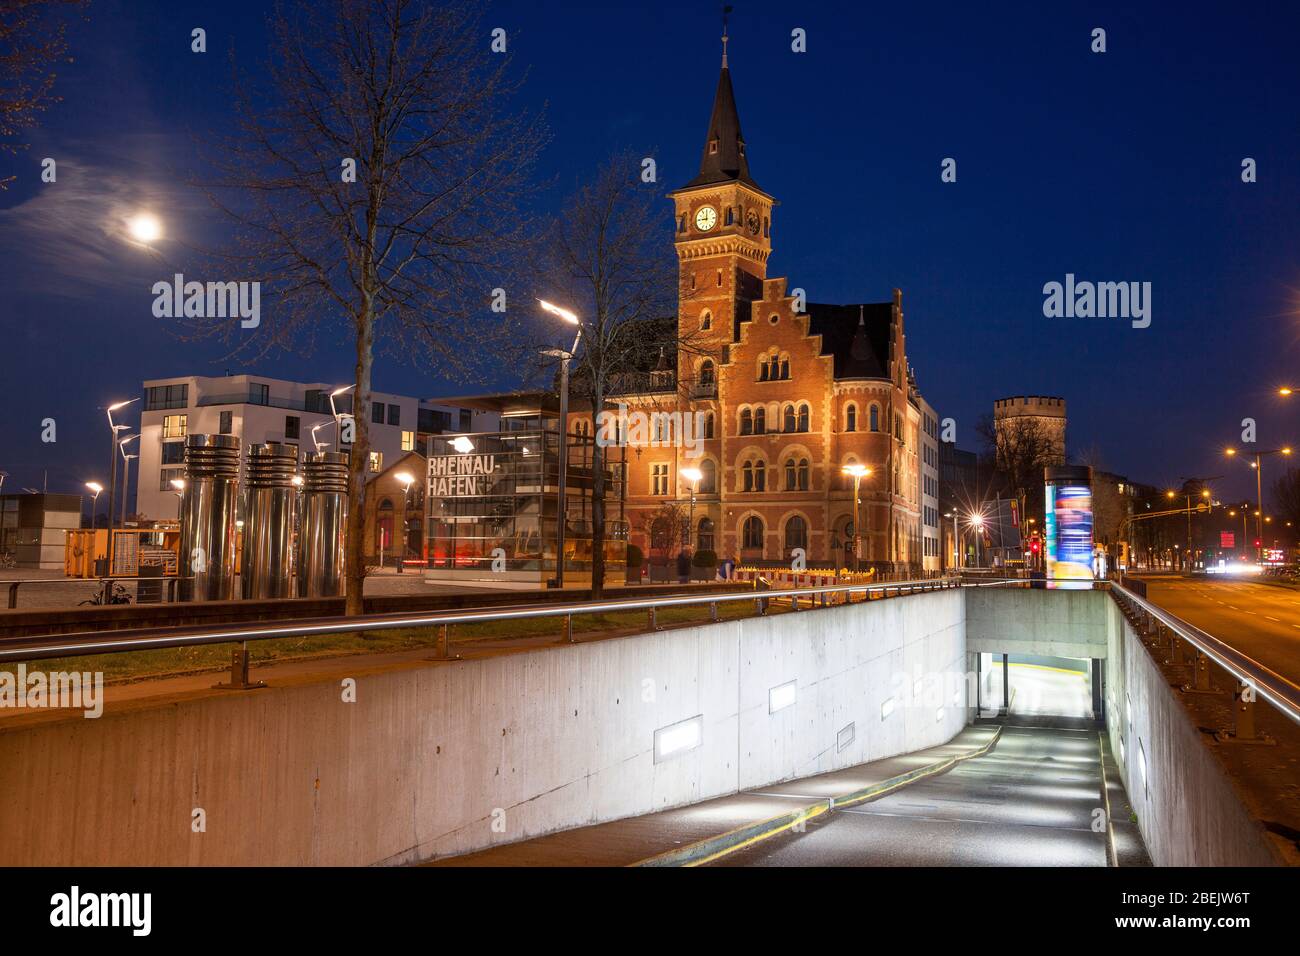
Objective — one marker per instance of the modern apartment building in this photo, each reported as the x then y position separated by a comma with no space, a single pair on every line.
259,409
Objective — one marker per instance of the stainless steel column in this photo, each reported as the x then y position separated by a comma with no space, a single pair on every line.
270,500
208,518
322,540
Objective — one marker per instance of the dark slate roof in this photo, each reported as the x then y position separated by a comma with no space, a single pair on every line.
857,336
729,163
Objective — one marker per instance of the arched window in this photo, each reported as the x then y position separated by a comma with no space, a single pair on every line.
708,478
747,476
796,533
789,421
706,372
746,421
706,424
704,535
762,370
785,368
751,535
875,417
898,427
706,317
803,418
774,368
803,474
760,420
791,474
719,278
851,418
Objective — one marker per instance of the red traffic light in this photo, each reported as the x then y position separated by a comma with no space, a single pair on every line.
1033,546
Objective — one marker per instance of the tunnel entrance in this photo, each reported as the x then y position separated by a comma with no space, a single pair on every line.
1036,686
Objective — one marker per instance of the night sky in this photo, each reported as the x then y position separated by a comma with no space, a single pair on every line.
1123,166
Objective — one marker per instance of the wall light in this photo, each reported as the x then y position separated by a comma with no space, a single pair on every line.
887,708
678,738
781,696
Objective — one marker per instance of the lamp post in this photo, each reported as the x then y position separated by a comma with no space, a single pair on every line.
96,488
112,463
858,472
956,540
407,479
126,471
179,485
977,522
1258,465
561,510
693,475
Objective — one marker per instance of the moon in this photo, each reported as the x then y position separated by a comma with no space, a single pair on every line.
145,227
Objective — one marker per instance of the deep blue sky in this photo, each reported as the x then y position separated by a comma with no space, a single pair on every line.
1121,166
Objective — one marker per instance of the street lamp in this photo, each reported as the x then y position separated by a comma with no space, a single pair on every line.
112,463
126,471
858,472
977,522
693,475
407,479
561,511
956,540
179,485
1258,465
95,487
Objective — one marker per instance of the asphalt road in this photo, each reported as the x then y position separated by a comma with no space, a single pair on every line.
1028,803
1260,620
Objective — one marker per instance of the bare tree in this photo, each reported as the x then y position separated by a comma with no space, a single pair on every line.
610,262
663,528
32,42
376,186
1019,449
1286,496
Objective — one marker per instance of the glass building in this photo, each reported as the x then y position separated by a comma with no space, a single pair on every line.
493,500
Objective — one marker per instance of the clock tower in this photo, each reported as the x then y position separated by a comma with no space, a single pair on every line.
723,230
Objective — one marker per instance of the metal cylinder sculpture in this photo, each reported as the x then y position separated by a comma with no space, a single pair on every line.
323,538
270,501
208,504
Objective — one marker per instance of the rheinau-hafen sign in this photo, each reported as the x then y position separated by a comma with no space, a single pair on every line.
460,476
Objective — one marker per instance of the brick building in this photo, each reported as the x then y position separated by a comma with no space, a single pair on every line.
786,393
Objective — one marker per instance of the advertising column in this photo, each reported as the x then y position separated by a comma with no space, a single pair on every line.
1068,526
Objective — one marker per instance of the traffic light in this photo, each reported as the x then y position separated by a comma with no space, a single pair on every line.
1033,546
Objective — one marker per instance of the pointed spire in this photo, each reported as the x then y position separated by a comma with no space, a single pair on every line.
724,157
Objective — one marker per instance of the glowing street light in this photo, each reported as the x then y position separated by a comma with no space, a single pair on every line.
407,479
112,463
96,488
858,472
693,475
561,490
1258,465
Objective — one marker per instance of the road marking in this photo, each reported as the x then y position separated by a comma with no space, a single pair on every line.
1271,618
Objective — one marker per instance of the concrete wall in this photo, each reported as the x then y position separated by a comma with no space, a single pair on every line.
1043,622
1187,810
431,755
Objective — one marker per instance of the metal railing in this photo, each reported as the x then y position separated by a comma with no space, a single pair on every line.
105,585
122,641
1252,678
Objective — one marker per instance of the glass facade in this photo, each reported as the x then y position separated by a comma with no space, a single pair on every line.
493,497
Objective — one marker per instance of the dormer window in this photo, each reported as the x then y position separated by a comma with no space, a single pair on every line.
713,146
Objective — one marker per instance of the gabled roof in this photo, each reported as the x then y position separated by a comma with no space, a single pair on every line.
724,159
856,336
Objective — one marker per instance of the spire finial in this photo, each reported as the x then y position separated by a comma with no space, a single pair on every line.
861,319
726,10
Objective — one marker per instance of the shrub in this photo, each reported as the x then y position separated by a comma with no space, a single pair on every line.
705,559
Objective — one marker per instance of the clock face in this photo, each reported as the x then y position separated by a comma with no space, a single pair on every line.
706,217
753,222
